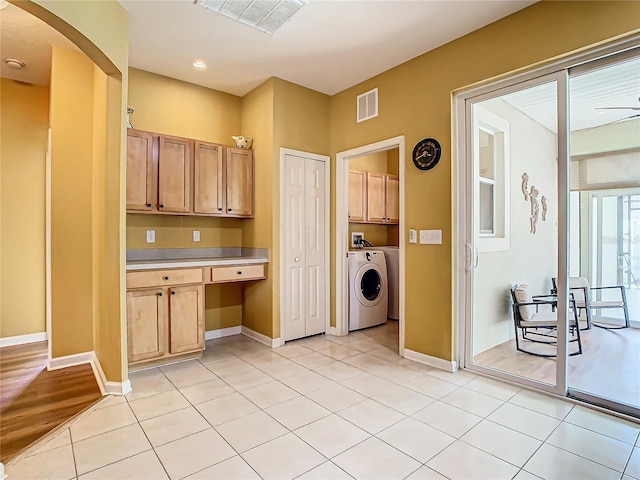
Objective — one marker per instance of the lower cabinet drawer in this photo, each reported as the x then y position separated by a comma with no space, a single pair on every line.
237,273
159,278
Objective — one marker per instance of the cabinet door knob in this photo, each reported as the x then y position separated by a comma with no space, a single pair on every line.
160,294
149,205
166,278
239,272
219,209
162,205
173,292
297,259
229,209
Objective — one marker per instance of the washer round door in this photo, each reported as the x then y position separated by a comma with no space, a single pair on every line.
369,285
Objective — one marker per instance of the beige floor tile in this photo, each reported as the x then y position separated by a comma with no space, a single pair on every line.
633,467
364,345
317,342
385,354
416,439
281,368
524,421
338,352
60,440
368,384
459,377
102,420
194,453
336,397
297,412
365,362
172,426
148,382
225,409
106,448
248,380
448,419
205,391
603,423
331,435
507,444
371,416
596,447
159,404
394,373
524,475
230,367
306,382
291,350
144,466
213,353
265,396
472,402
284,458
552,463
493,388
250,431
110,401
234,468
425,473
412,365
375,459
338,371
430,386
542,403
53,464
464,462
313,360
403,399
187,373
326,471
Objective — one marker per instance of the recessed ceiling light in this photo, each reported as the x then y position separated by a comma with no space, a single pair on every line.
199,65
14,63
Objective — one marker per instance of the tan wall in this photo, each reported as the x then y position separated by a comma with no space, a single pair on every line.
532,35
374,162
71,120
24,116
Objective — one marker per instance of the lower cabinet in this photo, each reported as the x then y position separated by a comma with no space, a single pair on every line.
165,320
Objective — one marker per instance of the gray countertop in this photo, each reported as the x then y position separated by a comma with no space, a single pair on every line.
147,259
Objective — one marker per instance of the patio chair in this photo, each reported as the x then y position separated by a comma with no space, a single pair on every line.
540,326
583,295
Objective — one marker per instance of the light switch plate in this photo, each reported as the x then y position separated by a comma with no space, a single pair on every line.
196,235
413,236
431,237
151,236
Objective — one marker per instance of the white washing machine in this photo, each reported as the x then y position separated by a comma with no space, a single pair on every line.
368,290
392,256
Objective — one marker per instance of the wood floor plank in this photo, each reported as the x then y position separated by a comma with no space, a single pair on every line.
34,401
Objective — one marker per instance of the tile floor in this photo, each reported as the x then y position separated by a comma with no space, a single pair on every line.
330,408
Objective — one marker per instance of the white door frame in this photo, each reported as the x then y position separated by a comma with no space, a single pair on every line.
342,231
327,225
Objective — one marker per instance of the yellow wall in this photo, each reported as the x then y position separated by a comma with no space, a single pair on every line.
537,33
24,116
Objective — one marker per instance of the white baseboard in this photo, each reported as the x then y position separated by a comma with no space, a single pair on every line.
333,331
270,342
446,365
106,387
22,339
222,332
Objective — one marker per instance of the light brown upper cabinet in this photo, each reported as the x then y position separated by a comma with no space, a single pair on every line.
142,171
376,198
357,196
392,196
179,176
239,177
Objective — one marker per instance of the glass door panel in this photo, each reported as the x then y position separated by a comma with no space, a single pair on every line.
514,240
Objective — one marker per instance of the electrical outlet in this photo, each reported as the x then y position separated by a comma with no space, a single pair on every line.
196,235
413,235
431,237
151,236
356,238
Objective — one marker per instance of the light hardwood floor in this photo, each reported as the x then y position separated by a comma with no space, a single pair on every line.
609,366
33,401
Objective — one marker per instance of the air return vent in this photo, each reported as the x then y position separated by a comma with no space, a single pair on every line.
367,105
265,15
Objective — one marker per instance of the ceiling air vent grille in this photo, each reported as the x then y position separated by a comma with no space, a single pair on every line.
367,105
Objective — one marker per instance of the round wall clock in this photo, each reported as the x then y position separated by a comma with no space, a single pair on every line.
426,153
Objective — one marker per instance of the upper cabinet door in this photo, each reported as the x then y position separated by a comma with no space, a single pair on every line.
357,196
392,191
239,171
209,194
141,171
375,198
174,174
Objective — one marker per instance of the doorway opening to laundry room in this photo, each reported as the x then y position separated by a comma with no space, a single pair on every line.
370,248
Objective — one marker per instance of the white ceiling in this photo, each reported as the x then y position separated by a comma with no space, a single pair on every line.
327,46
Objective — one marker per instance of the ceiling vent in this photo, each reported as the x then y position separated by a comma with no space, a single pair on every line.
264,15
367,105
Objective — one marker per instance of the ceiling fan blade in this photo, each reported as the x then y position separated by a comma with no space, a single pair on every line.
618,108
637,115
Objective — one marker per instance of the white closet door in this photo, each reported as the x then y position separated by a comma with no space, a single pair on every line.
304,279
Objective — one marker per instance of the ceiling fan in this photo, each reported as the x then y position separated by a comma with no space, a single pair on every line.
633,115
